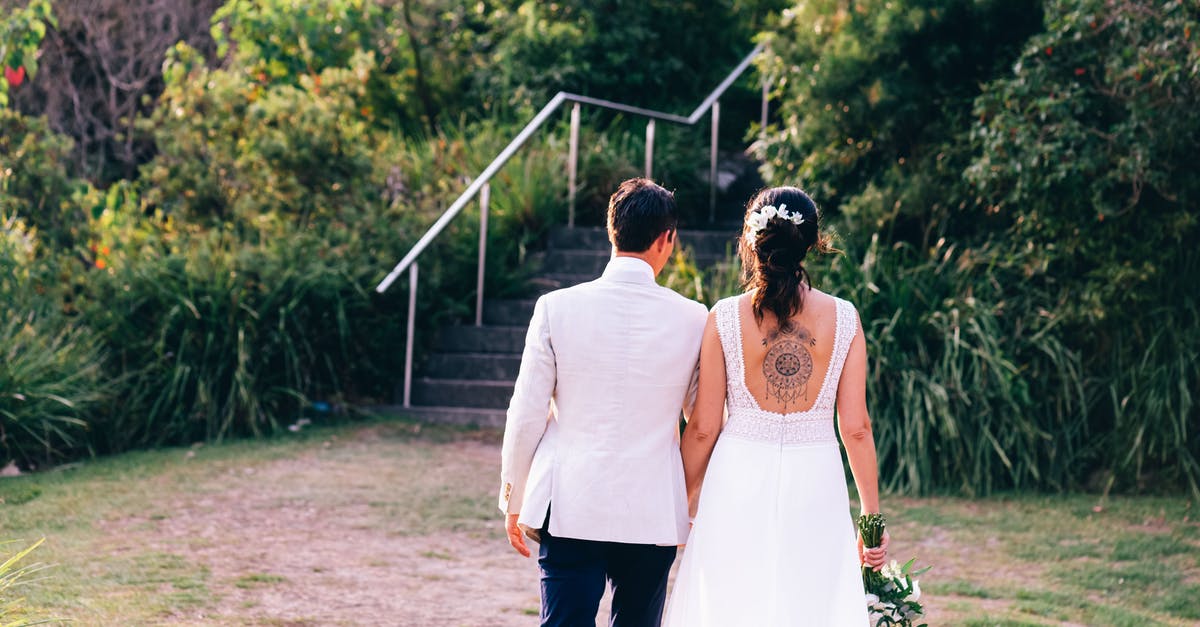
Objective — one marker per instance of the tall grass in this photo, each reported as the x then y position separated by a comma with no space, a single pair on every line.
50,364
13,575
971,389
971,386
1143,387
228,338
50,387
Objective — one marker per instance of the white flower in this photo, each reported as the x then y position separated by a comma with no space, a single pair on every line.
915,595
756,222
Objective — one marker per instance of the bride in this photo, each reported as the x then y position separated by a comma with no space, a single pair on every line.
773,542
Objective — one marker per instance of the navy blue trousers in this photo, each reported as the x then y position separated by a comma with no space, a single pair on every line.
574,574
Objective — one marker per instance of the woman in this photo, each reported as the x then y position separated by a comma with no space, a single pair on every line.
773,542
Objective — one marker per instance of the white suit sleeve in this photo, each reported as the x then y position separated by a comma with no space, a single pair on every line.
529,410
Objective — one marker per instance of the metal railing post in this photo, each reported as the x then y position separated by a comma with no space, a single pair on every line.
710,102
572,164
712,163
485,195
766,96
408,344
649,147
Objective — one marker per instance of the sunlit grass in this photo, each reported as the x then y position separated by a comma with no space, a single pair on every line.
1005,560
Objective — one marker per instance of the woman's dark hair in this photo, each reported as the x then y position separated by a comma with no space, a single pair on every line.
773,260
638,212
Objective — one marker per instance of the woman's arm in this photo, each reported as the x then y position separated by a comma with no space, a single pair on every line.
704,425
854,424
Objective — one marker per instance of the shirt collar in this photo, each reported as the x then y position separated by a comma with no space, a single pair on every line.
628,270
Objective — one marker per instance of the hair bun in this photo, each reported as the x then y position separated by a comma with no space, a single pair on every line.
773,248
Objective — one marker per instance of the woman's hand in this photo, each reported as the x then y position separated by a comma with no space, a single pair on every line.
873,557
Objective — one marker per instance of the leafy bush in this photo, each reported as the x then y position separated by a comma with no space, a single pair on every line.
227,338
34,182
1037,213
1086,149
51,368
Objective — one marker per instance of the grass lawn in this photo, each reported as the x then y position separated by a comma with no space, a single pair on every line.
387,522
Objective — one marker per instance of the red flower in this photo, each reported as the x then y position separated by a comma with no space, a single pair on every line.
1080,71
14,76
101,264
1049,50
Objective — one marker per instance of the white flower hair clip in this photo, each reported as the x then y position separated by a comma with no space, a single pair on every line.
758,219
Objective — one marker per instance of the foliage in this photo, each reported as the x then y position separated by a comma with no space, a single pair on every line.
1015,234
227,338
34,182
1085,149
100,69
20,35
872,97
280,42
707,285
50,367
651,53
232,149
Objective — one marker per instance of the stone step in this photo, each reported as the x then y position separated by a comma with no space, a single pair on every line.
464,416
488,366
591,262
709,244
461,393
579,238
485,339
548,282
700,243
511,312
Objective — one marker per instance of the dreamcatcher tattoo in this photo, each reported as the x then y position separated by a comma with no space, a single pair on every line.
788,365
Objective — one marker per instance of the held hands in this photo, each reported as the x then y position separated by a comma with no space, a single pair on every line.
517,539
873,557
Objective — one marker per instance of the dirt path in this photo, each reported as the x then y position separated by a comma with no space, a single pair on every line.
369,530
335,537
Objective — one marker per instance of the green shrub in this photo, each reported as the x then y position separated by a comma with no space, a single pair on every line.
227,338
51,367
34,181
1058,329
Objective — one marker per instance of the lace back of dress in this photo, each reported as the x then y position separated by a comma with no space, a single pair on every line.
747,419
729,328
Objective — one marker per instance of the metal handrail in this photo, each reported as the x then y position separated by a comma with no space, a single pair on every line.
481,184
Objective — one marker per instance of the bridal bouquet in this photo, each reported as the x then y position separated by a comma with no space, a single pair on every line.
892,592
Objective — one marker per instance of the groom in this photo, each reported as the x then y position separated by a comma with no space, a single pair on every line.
591,462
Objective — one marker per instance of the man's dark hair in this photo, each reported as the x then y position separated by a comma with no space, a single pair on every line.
638,212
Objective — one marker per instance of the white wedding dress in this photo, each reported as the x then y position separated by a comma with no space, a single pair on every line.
773,542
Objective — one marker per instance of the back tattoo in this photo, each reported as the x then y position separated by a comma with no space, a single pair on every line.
788,365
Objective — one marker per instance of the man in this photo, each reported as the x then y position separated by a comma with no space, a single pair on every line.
591,463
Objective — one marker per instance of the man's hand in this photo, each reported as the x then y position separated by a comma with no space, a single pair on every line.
515,537
874,557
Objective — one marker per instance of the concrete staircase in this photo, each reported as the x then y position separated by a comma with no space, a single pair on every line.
469,378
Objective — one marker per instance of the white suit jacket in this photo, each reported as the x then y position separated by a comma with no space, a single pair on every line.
593,426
